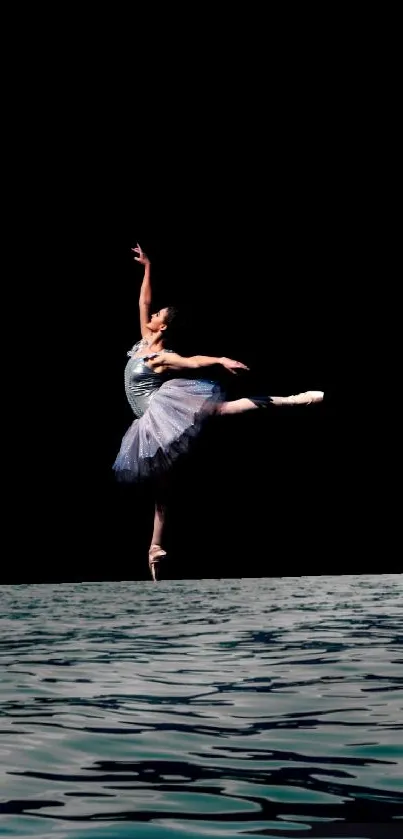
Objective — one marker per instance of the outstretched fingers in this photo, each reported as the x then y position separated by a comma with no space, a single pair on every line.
139,251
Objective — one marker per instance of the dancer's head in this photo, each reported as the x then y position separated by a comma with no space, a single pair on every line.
163,321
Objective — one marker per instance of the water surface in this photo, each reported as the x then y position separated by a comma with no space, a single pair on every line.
217,708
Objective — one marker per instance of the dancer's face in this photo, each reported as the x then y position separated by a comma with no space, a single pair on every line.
158,321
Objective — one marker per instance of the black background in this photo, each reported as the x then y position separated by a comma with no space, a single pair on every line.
248,205
261,494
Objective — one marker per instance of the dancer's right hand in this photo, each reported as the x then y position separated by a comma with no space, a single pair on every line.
233,366
142,257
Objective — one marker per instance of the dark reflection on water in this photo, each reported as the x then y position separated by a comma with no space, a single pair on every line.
203,708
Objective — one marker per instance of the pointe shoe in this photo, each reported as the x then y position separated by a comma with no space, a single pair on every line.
307,398
155,554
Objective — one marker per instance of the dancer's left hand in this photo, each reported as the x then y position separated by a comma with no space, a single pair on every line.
142,257
233,366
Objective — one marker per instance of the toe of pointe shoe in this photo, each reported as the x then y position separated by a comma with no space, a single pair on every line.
316,395
306,398
155,556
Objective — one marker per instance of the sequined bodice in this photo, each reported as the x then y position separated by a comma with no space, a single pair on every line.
141,382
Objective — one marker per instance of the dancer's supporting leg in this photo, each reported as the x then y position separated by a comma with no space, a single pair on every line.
156,551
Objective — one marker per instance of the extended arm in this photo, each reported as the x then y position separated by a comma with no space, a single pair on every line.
145,291
165,361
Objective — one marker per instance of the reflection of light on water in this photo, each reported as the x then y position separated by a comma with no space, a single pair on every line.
215,706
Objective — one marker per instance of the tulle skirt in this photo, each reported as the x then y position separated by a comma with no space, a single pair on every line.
174,418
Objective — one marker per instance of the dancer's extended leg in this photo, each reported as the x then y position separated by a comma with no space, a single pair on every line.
240,406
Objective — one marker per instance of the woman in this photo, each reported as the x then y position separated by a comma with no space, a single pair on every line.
170,402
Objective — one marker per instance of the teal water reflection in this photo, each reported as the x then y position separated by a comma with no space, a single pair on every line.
202,708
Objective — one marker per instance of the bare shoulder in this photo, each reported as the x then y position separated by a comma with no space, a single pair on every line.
163,360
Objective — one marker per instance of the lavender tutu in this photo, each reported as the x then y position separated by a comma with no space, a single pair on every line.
170,414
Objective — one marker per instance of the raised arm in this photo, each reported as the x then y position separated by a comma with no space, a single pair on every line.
165,361
145,291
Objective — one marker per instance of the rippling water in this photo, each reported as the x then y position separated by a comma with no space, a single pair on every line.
218,708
